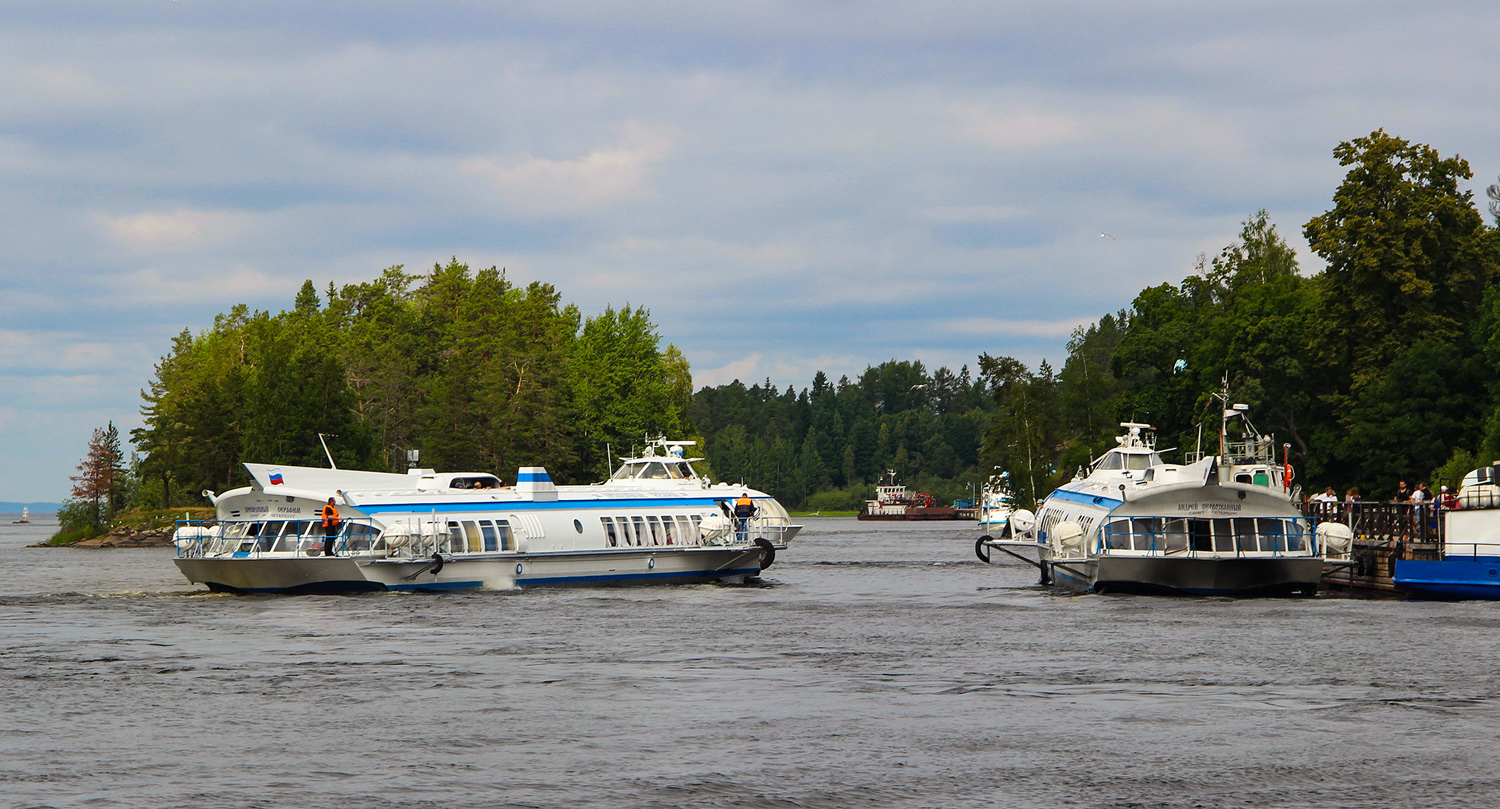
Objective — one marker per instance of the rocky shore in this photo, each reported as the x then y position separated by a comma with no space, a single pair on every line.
126,538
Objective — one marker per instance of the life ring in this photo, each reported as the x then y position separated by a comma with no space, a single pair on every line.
980,550
437,564
767,552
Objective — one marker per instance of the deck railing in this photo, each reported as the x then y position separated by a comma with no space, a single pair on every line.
355,538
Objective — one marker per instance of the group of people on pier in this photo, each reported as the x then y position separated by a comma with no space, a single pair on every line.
1420,496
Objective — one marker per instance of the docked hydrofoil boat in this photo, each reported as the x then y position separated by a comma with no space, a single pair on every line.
1221,524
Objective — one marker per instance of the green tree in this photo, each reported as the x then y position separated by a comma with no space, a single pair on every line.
623,389
1408,259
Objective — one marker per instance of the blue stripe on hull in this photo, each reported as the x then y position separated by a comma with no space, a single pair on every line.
1086,499
438,585
1473,579
685,575
527,505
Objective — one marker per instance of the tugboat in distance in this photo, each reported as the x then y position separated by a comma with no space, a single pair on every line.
896,502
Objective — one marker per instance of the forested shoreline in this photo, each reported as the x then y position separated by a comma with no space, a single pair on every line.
1382,366
466,367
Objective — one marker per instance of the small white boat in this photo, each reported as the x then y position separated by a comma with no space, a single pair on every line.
995,504
1223,524
25,516
654,521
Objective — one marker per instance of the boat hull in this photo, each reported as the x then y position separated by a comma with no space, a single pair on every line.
308,575
1470,579
916,513
1235,577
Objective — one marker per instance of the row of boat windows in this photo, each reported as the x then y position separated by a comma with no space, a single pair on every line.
291,535
478,536
1132,462
1219,534
654,470
650,530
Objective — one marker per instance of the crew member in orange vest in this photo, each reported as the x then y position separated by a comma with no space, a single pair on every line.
744,509
330,527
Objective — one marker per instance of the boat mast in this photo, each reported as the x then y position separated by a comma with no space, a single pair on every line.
331,464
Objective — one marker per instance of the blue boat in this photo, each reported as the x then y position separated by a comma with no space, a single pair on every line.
1452,579
1470,567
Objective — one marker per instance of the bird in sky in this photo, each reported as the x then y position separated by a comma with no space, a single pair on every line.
1104,235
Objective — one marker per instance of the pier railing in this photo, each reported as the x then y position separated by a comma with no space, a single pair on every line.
1384,533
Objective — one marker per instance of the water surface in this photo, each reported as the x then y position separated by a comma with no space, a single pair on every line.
877,665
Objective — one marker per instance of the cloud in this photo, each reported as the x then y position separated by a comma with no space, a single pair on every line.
181,229
755,367
996,327
1016,130
51,352
605,176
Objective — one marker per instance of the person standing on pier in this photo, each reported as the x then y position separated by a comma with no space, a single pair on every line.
1447,500
1403,494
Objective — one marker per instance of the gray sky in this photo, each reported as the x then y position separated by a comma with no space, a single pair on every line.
788,187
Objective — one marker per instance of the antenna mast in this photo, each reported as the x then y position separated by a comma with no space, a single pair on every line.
331,464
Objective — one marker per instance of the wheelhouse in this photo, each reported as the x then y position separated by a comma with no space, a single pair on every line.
655,469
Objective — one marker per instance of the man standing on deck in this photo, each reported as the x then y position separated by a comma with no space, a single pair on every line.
330,526
744,509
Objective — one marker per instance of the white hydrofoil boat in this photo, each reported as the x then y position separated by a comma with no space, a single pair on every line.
654,521
1223,524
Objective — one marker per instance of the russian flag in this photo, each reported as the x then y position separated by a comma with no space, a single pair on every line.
276,479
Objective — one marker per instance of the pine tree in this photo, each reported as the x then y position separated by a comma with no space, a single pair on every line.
101,474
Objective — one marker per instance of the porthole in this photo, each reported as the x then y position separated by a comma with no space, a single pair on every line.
578,526
518,569
651,564
1494,572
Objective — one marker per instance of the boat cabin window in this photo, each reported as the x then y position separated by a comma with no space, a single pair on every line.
1134,462
475,482
639,526
653,470
610,537
464,537
668,533
497,535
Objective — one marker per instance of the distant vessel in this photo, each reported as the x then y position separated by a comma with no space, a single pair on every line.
995,504
1222,525
25,516
654,521
1470,567
896,502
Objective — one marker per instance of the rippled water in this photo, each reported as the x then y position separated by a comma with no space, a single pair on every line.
878,665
